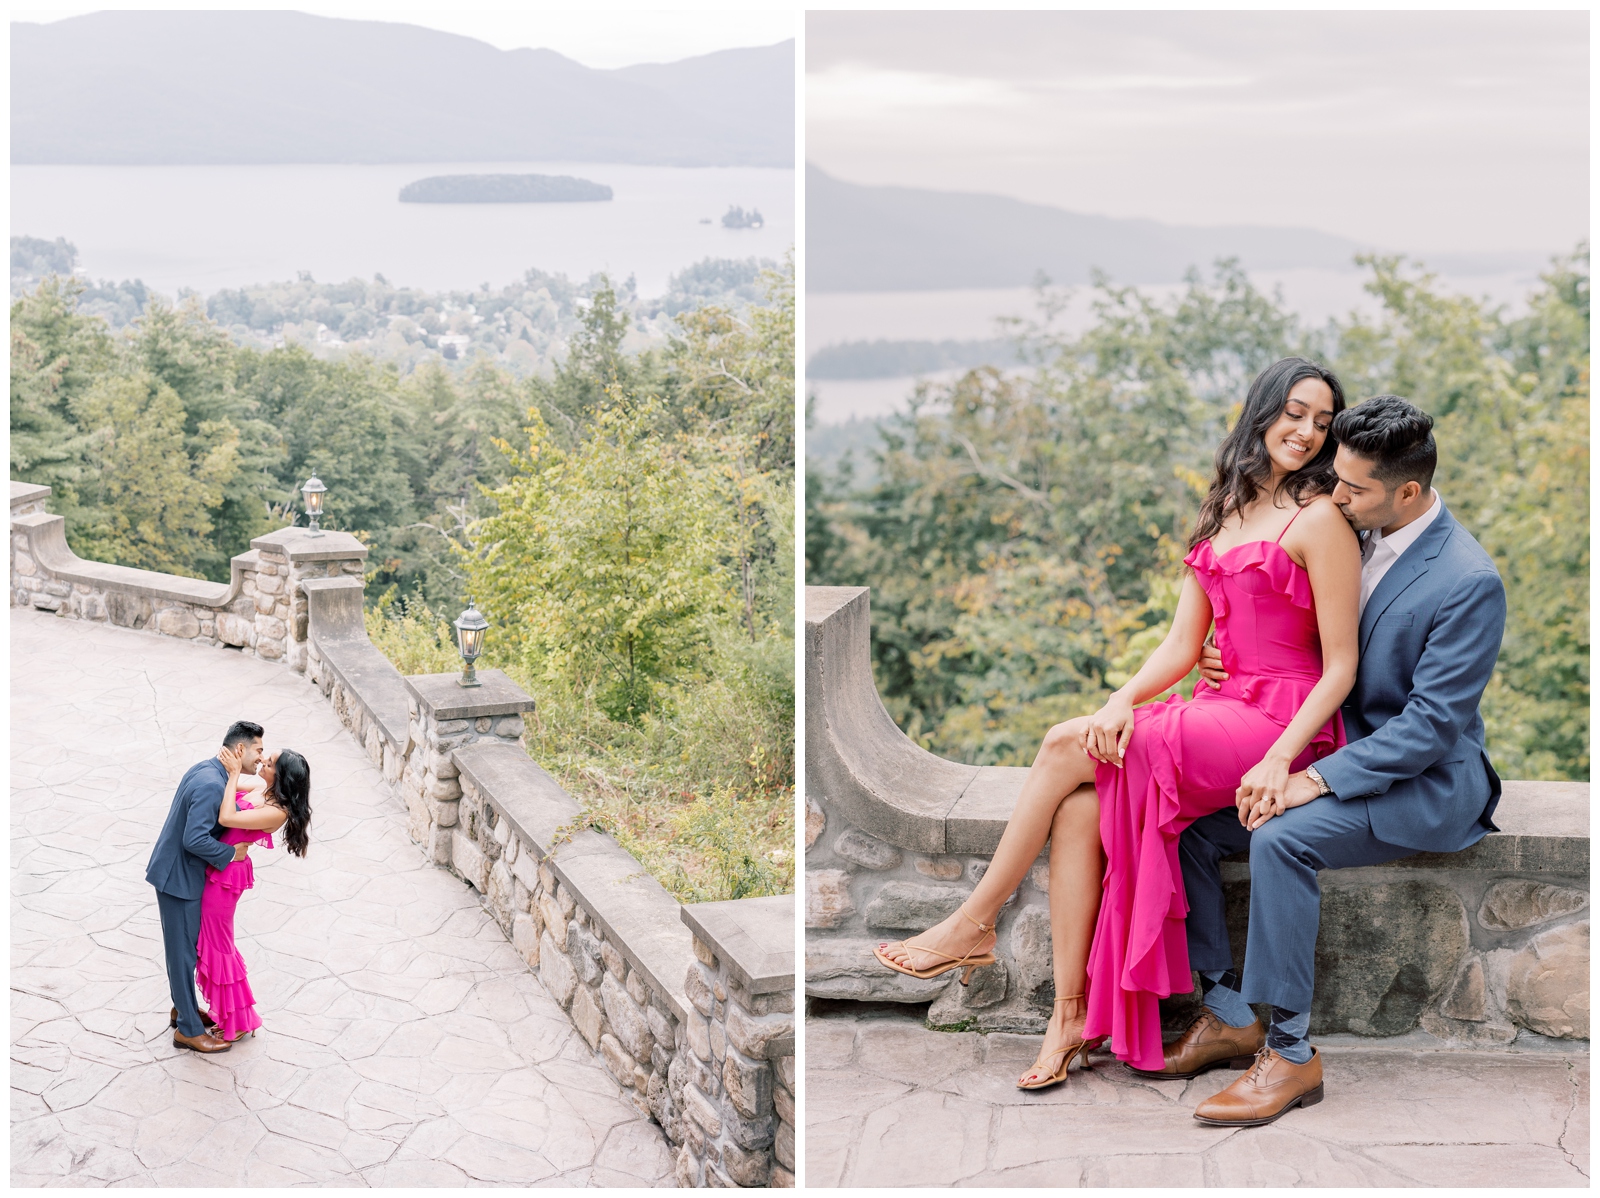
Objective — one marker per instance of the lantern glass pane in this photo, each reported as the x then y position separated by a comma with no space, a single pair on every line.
471,642
314,502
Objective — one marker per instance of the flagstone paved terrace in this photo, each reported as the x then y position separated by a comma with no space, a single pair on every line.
890,1103
405,1042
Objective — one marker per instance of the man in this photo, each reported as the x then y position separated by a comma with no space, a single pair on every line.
1414,776
187,844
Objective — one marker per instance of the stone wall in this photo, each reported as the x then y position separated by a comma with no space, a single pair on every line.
1470,946
260,611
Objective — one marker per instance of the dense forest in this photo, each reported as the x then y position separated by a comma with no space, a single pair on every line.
1022,531
625,521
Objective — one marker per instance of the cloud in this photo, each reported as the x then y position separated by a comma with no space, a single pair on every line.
851,91
1423,131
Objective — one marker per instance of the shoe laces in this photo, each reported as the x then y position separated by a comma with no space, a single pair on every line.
1260,1066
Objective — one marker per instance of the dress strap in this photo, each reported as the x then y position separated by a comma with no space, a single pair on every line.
1289,525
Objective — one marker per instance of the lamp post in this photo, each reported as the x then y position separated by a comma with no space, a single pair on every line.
470,627
313,490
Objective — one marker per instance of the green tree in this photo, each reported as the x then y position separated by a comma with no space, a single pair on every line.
602,561
183,349
145,503
595,362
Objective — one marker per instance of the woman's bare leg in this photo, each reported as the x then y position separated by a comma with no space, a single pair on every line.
1060,767
1077,863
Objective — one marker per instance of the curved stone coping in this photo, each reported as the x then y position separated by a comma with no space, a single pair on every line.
638,915
753,936
861,763
336,626
855,754
26,493
47,541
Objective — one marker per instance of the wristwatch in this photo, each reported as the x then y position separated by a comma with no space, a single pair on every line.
1322,785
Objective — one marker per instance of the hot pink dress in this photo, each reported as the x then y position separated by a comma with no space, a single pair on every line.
1185,760
220,969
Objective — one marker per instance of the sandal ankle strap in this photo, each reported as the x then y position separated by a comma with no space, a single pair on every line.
985,928
1068,997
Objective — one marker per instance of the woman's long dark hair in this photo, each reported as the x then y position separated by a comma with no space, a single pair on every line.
1243,467
292,789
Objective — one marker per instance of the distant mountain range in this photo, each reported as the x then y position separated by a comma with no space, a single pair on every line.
908,239
278,87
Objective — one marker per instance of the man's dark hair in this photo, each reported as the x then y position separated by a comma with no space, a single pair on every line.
1395,436
240,732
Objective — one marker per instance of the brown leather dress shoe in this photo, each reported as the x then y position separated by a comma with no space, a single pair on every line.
204,1042
1206,1044
1272,1087
205,1018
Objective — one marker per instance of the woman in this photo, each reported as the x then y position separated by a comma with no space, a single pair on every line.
279,796
1276,566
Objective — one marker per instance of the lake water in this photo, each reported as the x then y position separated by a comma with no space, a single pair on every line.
209,227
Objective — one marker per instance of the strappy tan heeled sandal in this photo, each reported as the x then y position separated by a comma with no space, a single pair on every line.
969,961
1081,1048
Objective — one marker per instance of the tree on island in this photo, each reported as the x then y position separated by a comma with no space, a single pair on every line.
738,218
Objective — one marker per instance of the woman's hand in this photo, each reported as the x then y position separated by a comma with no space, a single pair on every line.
232,758
1261,791
1105,737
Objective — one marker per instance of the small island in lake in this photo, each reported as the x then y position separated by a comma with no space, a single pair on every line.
738,218
502,189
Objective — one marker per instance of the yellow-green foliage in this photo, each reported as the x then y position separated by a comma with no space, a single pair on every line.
602,562
415,639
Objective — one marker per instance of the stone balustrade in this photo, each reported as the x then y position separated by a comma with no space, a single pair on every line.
1473,947
260,611
690,1008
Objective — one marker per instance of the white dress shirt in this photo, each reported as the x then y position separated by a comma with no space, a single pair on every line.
1379,552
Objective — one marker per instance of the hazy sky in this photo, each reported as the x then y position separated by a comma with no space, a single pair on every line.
1417,131
599,34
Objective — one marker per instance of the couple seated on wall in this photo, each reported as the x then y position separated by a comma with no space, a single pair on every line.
1336,725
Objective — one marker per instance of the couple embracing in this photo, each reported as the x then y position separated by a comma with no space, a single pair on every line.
201,867
1356,625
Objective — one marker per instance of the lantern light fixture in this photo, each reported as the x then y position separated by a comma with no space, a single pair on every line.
313,490
470,627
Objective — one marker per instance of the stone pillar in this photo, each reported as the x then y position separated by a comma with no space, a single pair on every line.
27,499
271,609
736,1083
444,716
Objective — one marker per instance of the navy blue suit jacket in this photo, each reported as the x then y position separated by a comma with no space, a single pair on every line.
1429,638
188,841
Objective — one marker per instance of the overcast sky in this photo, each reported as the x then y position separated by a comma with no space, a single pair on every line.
599,34
1417,131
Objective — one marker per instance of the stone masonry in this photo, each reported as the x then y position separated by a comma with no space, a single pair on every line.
735,1087
261,611
1470,955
